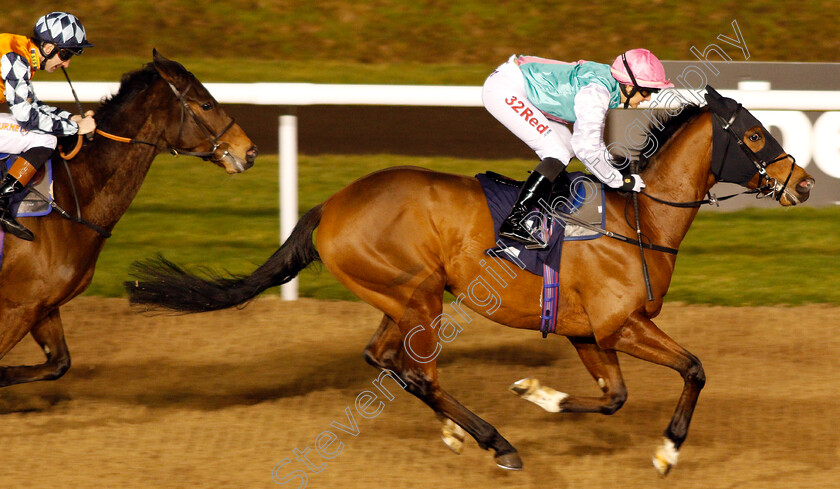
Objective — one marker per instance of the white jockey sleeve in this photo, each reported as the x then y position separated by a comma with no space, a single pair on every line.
591,105
28,111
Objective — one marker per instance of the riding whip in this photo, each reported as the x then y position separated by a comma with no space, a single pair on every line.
641,247
89,136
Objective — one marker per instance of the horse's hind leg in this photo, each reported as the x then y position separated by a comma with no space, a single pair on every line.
384,351
415,364
49,334
641,338
601,364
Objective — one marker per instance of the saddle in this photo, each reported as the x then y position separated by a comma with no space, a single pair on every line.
575,194
577,205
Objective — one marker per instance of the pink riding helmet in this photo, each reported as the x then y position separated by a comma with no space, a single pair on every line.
646,68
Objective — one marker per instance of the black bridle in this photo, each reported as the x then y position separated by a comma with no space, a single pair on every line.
771,186
213,139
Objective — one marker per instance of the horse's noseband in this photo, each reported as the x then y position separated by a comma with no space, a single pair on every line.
206,129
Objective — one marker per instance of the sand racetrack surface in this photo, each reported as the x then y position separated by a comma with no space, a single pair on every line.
220,399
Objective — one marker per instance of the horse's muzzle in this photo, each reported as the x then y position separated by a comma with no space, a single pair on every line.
232,163
251,155
803,189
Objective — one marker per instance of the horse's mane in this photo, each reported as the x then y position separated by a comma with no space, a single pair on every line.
131,84
660,133
666,127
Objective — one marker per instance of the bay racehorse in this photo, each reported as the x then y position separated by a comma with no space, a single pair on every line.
398,238
162,106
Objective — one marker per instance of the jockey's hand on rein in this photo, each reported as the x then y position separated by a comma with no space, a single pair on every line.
87,124
632,183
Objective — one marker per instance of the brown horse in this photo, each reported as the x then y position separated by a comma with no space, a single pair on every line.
162,106
400,237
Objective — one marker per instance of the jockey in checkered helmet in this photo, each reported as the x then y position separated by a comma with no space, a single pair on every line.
30,128
63,30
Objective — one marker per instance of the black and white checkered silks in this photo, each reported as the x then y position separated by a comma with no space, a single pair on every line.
28,111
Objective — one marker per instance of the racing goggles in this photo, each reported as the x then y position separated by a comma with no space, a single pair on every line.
64,54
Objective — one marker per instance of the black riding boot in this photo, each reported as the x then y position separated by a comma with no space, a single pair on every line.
9,187
536,187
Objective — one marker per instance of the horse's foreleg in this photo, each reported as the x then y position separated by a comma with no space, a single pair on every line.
601,364
49,334
641,338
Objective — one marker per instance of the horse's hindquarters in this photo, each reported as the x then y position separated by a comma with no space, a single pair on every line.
380,235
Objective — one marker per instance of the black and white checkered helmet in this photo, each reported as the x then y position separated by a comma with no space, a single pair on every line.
62,29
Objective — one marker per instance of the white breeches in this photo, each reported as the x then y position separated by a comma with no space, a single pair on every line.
15,140
504,96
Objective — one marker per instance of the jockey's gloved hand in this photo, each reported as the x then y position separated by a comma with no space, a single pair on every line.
632,183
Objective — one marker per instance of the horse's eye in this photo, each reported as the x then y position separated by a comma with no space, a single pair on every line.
755,137
207,106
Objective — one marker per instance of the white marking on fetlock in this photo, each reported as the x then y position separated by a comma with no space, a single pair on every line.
666,457
602,383
548,399
453,435
544,397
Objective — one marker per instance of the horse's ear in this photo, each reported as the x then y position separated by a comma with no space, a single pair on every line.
171,71
719,104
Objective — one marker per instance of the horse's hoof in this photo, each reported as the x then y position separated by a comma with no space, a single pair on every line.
666,457
453,435
544,397
509,461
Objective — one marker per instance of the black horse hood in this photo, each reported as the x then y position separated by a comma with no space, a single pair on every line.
729,162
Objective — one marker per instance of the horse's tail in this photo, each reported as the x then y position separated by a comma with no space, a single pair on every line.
163,284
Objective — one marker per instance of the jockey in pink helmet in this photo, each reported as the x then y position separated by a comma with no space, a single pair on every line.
641,69
537,99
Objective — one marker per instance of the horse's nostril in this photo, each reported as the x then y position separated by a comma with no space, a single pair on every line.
805,186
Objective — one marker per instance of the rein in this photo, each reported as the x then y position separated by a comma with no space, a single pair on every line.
123,139
712,200
620,237
72,154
